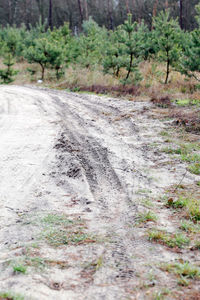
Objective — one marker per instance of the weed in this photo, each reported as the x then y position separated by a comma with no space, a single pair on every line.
147,202
35,262
196,245
164,133
54,219
99,263
180,203
10,296
19,268
147,217
198,183
186,102
183,281
190,205
160,295
185,270
190,227
170,150
191,158
171,240
58,238
195,168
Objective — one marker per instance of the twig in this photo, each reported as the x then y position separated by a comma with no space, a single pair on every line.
180,182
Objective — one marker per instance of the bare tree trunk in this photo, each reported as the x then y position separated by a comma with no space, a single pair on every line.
155,8
86,9
110,14
40,4
9,12
127,7
181,14
50,21
80,10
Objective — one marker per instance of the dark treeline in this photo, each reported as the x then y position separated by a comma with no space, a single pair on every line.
110,13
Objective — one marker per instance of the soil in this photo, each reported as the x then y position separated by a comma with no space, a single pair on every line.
90,160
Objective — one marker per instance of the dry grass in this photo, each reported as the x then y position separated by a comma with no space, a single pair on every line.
94,80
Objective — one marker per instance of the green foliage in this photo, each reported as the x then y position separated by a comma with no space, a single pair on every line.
177,240
19,268
167,34
190,62
47,53
119,52
125,50
10,296
7,74
91,45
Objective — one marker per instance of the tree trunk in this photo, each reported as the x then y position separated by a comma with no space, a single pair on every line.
130,67
43,69
181,14
50,22
80,10
86,9
155,8
127,7
167,74
110,14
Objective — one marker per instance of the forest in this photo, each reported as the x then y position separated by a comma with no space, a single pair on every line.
116,40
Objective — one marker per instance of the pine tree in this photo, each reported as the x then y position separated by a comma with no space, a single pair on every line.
190,61
125,51
167,35
7,74
47,52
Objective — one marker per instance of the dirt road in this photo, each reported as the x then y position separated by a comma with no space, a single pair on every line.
74,172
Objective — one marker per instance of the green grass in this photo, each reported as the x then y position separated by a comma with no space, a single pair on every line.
190,227
20,268
191,206
171,240
55,219
170,150
197,245
147,217
185,270
187,102
146,202
180,203
191,157
194,168
164,133
10,296
58,238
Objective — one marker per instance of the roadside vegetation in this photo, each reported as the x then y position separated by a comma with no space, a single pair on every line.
131,59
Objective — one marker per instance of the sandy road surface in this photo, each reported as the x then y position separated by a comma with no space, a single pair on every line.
74,165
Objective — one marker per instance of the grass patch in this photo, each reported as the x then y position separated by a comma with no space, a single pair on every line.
187,102
147,202
196,245
190,227
147,217
171,240
191,206
194,168
185,270
10,296
191,157
165,133
58,238
19,268
170,150
55,219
